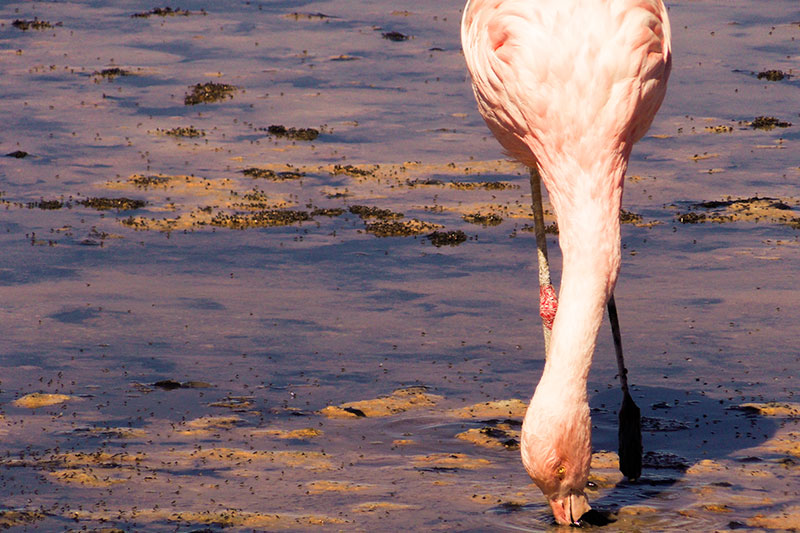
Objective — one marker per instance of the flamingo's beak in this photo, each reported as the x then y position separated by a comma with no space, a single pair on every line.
569,510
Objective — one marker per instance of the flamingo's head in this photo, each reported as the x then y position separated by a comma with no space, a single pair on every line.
557,451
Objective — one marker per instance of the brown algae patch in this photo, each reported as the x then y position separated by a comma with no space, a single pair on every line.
778,409
772,75
207,424
121,433
604,460
605,469
200,202
705,466
189,185
280,458
171,384
307,16
206,93
422,182
41,399
13,518
491,210
496,409
74,462
754,209
86,477
181,131
366,212
159,224
768,123
703,156
111,73
107,204
402,228
221,190
234,518
415,173
486,499
370,507
787,519
95,459
447,238
395,36
629,217
145,182
354,171
113,432
716,508
260,219
788,444
498,436
327,212
298,434
449,461
166,12
270,174
35,24
550,229
637,510
46,205
388,224
722,128
295,134
236,403
487,219
97,469
399,401
227,518
486,185
323,486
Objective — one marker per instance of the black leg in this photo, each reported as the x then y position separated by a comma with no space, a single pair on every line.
630,419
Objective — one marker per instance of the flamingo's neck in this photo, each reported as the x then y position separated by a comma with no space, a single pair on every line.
589,237
557,427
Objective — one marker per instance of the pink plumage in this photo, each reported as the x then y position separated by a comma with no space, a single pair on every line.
568,86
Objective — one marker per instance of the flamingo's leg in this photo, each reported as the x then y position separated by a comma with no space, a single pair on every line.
630,420
548,302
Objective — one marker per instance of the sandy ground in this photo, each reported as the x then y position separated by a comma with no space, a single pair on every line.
264,268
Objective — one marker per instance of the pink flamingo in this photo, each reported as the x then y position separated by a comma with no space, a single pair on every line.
567,87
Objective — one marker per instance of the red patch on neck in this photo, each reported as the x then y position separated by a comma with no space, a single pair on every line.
548,304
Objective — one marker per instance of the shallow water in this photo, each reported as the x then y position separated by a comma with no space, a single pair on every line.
266,326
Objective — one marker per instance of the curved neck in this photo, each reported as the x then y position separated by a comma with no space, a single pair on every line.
589,237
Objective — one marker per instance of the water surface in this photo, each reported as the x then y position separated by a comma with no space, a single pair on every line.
265,327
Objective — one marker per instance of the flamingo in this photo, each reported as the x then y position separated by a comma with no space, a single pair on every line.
567,87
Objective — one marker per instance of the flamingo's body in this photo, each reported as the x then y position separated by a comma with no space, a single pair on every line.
569,86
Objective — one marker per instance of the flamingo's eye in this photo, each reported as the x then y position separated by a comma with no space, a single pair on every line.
560,472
